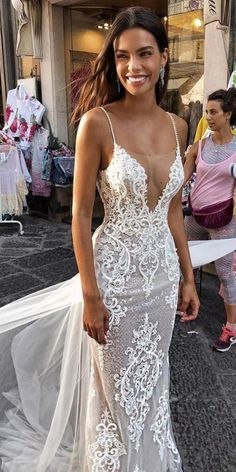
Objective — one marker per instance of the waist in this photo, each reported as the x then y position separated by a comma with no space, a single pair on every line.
206,195
132,230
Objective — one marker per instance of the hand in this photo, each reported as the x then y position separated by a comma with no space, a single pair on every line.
189,302
96,319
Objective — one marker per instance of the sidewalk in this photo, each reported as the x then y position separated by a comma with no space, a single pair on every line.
203,382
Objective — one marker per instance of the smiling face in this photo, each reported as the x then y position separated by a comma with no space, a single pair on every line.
138,60
216,117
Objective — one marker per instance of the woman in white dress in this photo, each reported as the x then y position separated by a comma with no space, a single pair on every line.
131,148
98,400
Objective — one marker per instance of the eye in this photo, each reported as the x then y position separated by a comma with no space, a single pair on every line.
121,56
146,53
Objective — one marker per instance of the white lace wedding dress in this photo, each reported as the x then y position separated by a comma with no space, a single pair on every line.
80,406
129,427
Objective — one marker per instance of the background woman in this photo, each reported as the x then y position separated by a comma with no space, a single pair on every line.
212,197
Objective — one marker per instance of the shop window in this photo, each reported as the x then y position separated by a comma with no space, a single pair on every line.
199,49
174,49
186,45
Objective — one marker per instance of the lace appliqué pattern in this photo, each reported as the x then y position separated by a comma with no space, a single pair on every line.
171,259
161,429
171,299
137,382
107,449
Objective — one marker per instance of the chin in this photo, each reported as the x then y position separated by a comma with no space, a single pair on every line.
139,91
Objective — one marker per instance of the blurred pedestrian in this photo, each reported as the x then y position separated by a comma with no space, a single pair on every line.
211,198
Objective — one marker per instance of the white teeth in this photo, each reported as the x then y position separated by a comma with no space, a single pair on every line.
137,79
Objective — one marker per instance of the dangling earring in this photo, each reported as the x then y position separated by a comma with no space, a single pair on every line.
118,84
162,76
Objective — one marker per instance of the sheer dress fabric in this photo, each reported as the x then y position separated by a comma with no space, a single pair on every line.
79,406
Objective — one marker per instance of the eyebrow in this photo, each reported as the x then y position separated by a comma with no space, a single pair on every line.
144,48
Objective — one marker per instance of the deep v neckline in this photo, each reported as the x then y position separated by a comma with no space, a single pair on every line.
116,156
116,147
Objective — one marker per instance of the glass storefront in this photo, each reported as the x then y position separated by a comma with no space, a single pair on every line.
186,45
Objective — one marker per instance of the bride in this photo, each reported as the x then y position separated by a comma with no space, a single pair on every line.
90,384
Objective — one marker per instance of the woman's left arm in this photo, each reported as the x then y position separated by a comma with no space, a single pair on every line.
189,299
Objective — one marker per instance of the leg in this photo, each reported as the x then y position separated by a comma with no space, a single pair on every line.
231,313
224,269
195,232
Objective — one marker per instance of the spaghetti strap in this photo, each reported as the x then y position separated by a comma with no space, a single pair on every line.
110,123
175,130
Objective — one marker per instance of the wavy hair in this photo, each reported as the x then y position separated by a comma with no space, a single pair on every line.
101,87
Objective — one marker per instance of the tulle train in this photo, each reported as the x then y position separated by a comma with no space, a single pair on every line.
44,431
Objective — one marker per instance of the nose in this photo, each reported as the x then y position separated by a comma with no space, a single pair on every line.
134,63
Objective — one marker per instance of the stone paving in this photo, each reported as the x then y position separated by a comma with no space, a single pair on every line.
203,393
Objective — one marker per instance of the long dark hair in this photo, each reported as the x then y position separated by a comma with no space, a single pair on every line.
101,87
227,99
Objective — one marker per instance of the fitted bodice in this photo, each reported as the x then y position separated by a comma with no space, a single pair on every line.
123,187
133,237
123,190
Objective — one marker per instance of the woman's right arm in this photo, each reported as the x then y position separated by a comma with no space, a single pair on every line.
87,162
190,162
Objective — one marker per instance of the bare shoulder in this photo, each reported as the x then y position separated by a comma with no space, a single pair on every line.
91,122
94,124
181,125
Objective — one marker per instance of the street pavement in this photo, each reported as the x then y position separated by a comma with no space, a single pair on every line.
203,382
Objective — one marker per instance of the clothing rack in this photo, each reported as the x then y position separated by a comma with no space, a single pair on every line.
21,231
6,147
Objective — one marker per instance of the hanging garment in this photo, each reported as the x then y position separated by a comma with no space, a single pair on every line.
29,34
5,139
12,182
23,116
24,168
38,149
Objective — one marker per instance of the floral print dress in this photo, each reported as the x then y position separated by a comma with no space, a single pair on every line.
23,116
